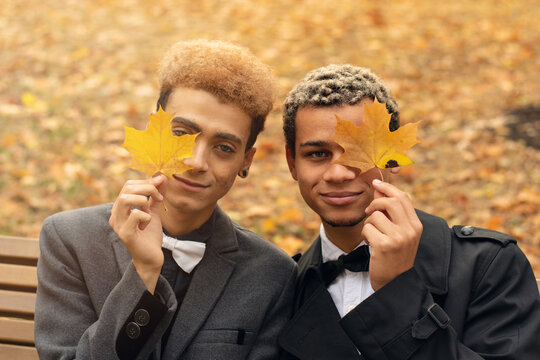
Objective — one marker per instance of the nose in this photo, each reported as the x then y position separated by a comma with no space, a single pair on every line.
198,162
338,173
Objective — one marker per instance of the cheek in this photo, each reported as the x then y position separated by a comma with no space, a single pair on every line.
373,174
225,175
309,175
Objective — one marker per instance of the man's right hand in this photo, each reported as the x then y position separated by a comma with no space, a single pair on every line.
135,217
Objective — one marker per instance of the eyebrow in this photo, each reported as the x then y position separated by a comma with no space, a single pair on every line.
196,128
184,121
315,143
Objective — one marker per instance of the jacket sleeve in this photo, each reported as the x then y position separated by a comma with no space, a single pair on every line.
67,323
266,344
402,321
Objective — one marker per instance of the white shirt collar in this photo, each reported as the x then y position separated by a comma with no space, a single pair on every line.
329,250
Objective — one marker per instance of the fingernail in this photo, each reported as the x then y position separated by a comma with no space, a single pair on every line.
377,181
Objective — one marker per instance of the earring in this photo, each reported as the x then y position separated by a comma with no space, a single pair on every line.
243,173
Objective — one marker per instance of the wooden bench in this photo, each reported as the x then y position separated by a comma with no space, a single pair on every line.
18,283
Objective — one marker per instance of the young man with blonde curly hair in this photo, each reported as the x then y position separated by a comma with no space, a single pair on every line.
383,280
108,289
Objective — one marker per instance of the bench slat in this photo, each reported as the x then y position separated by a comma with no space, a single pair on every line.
17,330
16,302
19,247
16,352
18,275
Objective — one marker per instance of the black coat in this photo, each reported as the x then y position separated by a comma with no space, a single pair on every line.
470,295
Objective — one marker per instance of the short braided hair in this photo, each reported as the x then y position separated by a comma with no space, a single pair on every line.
335,85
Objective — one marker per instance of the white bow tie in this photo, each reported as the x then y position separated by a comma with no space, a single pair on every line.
187,254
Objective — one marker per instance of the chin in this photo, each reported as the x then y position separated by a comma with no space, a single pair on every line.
185,205
344,222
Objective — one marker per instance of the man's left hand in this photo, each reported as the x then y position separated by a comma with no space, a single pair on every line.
393,231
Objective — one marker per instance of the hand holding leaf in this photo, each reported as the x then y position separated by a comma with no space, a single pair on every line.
156,149
372,144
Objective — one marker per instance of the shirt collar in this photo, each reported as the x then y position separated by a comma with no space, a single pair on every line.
329,250
201,234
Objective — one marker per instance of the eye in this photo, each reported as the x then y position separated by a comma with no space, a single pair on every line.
225,148
319,154
179,132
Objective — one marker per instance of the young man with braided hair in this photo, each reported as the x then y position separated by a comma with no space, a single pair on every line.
413,288
107,289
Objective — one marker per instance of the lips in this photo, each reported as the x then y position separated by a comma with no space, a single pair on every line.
190,185
340,197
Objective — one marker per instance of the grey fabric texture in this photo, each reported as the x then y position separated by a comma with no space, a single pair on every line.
88,287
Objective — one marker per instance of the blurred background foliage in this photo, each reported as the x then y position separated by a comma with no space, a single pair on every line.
74,72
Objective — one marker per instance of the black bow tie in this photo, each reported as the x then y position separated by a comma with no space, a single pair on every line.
357,260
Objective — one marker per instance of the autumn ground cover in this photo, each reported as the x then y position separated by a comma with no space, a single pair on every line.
74,72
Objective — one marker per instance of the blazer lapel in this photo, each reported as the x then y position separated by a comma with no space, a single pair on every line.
209,280
314,331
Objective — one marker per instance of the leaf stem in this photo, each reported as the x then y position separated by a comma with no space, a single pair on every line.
380,172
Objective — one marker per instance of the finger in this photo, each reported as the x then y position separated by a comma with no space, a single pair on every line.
393,192
130,183
385,188
160,183
371,235
382,223
125,202
377,194
145,189
135,218
144,221
391,207
131,200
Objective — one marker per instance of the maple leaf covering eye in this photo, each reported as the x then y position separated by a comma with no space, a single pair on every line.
158,149
372,144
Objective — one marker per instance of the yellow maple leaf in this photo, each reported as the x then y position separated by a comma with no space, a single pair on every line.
372,144
156,149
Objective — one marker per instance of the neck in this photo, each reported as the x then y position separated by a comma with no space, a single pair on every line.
346,237
178,223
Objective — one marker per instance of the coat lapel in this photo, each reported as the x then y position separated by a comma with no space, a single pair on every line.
209,280
314,331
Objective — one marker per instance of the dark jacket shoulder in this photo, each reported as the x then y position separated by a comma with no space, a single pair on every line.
478,234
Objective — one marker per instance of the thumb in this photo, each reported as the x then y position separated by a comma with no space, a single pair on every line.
160,182
377,194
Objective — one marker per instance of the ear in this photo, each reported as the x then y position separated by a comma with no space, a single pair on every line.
291,163
248,159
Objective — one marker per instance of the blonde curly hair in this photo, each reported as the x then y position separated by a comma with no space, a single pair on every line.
230,72
335,85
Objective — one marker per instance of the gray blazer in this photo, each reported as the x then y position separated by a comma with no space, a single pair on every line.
240,296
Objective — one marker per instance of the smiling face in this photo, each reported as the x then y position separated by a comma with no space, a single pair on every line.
219,153
338,194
